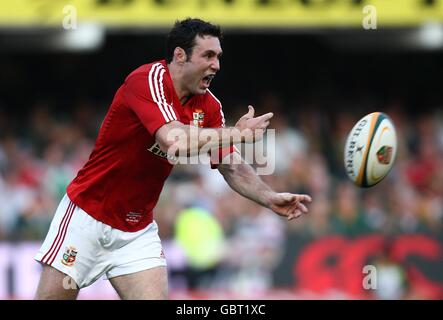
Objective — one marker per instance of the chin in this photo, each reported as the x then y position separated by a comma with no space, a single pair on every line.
201,91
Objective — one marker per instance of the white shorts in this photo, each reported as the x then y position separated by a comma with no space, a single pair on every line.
86,249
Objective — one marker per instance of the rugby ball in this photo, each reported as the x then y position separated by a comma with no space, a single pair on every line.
370,149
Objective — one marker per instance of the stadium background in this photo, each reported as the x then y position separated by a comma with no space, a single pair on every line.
313,65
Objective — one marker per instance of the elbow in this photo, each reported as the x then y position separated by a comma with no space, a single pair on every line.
173,140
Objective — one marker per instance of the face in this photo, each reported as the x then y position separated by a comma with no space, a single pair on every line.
201,67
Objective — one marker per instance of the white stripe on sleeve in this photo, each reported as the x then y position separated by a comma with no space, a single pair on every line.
167,107
153,83
221,111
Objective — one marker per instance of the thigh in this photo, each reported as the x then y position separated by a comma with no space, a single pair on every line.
151,284
72,247
55,285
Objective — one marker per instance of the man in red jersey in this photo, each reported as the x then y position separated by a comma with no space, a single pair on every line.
104,224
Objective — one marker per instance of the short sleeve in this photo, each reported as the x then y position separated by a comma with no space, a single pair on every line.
148,97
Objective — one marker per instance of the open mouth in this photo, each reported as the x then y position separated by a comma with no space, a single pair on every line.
207,80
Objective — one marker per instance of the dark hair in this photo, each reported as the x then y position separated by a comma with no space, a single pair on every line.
184,32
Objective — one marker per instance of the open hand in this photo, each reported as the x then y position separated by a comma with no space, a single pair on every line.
288,204
252,129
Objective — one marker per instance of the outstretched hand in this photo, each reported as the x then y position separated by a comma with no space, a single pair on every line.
252,129
289,205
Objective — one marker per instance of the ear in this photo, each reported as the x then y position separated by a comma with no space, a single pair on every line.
180,55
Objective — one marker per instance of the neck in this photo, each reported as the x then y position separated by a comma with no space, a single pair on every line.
176,73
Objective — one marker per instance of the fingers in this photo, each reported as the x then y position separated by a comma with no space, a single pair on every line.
294,215
268,116
288,197
303,197
249,114
265,117
298,208
302,207
251,111
257,125
263,120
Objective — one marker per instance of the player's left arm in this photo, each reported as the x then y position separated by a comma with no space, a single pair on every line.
242,178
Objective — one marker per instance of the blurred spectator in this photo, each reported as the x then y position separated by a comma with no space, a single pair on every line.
348,217
201,237
254,249
391,280
40,157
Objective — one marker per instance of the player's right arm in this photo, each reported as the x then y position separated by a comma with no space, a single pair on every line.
150,99
180,139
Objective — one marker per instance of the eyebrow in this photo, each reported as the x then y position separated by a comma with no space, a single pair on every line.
212,51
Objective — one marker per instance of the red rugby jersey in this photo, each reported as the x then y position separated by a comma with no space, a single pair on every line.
121,182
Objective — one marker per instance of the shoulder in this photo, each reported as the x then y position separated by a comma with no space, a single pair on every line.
214,108
148,78
212,101
152,70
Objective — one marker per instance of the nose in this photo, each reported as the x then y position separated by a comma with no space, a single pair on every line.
215,66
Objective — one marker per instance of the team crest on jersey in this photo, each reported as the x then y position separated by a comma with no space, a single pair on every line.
198,117
69,256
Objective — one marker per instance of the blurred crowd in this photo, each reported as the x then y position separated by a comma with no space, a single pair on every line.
212,236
